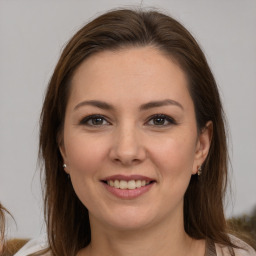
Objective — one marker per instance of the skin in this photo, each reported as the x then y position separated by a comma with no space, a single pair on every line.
128,140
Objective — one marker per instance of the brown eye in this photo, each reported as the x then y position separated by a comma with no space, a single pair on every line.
97,121
94,120
161,120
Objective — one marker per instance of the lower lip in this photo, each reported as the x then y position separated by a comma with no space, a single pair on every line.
128,193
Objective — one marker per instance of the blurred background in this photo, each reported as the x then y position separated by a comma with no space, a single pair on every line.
32,34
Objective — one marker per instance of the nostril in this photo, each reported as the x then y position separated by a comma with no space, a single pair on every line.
127,160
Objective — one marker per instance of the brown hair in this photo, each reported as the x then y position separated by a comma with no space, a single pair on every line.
3,212
67,218
2,228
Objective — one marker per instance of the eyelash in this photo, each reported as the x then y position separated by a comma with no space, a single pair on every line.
170,120
85,121
90,118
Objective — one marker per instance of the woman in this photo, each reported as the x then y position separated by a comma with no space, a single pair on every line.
133,144
7,247
2,228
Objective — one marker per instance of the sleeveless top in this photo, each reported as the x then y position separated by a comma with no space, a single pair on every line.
211,249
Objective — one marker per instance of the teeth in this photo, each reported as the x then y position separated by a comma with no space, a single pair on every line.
123,184
131,184
116,184
138,183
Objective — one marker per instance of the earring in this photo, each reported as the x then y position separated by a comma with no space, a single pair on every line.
199,170
65,166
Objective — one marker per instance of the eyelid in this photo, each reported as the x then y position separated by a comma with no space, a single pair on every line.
84,120
170,119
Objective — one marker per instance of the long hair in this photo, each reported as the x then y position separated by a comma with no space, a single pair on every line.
3,213
2,228
67,218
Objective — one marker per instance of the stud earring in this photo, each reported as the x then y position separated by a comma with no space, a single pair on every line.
65,166
199,170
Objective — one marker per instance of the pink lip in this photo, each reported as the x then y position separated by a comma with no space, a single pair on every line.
128,193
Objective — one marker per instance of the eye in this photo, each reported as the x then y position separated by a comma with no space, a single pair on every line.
94,120
161,120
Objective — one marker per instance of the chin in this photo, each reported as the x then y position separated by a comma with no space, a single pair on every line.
129,225
129,219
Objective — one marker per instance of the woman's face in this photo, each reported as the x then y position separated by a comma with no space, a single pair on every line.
130,138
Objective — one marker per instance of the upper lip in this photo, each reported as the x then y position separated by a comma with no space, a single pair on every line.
127,177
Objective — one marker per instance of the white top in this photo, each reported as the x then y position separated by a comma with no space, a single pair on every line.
36,245
223,251
33,246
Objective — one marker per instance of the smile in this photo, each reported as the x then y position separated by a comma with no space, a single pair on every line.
128,187
131,184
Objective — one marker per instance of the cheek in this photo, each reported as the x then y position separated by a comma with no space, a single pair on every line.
174,156
175,163
84,160
176,151
84,156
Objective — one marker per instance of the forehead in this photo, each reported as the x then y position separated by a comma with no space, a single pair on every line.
142,73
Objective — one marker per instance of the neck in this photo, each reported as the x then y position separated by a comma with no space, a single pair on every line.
165,239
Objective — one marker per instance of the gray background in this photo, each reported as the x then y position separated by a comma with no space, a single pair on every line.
32,34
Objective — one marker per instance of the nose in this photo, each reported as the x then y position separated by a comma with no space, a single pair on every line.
127,147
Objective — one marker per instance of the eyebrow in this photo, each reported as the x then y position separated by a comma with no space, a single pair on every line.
155,104
146,106
95,103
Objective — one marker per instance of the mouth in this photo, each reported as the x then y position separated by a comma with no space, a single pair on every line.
128,184
128,187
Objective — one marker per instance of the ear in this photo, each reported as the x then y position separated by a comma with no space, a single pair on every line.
62,150
203,146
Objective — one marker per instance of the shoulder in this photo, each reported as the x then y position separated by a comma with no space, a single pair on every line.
33,246
246,250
